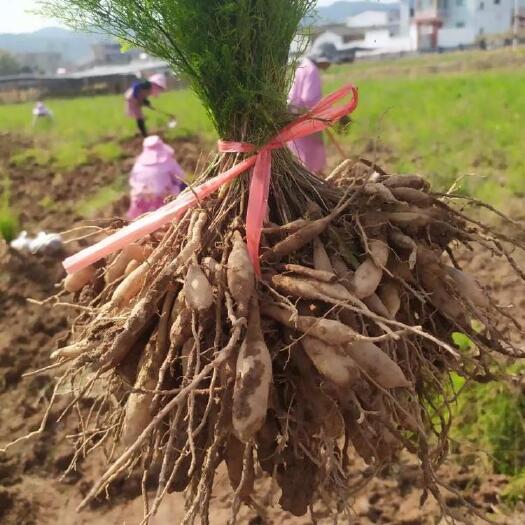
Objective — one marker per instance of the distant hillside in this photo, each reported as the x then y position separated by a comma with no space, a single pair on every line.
75,47
338,12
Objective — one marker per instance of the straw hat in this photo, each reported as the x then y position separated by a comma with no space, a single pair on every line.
155,151
159,80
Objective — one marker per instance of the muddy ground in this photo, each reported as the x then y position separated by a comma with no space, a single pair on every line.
31,489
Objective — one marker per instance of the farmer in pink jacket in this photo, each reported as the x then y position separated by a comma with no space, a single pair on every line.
137,96
155,176
306,92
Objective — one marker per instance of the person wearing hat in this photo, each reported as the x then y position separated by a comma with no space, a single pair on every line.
41,111
305,93
155,176
137,96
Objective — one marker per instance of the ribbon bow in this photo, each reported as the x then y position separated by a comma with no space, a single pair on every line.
323,115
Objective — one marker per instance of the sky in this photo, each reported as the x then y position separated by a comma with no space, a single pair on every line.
15,18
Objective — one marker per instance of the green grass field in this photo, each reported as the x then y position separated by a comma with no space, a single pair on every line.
83,122
445,125
94,126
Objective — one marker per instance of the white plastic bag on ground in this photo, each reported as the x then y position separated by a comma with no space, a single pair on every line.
21,243
46,243
43,243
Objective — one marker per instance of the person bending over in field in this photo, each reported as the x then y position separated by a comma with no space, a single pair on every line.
155,176
137,97
40,111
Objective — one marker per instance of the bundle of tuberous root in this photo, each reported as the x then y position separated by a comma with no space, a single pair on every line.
341,347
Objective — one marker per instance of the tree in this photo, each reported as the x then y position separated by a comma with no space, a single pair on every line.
8,64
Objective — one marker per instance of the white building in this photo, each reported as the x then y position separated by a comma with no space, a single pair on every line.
454,23
374,31
338,41
373,19
385,31
411,25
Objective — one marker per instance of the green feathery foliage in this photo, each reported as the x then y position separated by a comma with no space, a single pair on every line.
234,52
8,217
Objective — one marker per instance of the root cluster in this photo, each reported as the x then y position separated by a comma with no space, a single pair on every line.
342,347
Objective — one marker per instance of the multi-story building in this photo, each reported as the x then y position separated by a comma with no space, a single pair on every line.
337,41
384,28
455,23
385,31
105,53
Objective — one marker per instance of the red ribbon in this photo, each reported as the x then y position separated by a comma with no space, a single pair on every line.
323,115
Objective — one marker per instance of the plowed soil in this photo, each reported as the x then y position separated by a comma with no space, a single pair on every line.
31,488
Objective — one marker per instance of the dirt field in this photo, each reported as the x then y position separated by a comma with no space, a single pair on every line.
31,491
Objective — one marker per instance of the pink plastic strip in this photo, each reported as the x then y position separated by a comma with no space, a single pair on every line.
153,221
258,205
